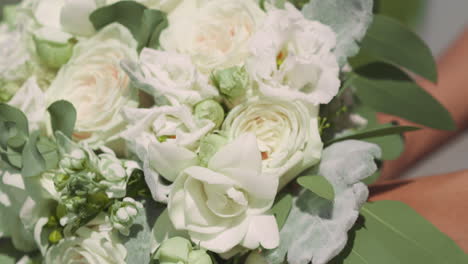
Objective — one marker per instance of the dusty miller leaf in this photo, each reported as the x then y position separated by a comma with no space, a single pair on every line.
316,229
350,20
138,243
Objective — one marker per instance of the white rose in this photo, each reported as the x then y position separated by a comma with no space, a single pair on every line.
165,139
214,33
172,76
292,58
225,205
287,134
95,84
90,245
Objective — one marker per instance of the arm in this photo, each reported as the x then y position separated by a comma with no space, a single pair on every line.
441,199
452,92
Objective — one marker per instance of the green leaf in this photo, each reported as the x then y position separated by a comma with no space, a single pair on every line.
63,117
4,259
349,19
375,132
138,243
145,24
33,162
404,99
281,209
392,232
318,185
49,152
12,114
153,23
392,42
392,146
372,179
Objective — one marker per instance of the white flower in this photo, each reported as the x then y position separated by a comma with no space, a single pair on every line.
287,134
90,245
225,204
165,139
172,76
14,57
96,85
214,34
292,57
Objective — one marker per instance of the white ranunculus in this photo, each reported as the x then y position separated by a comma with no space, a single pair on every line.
90,245
287,134
172,76
292,57
95,84
214,34
165,139
225,205
14,57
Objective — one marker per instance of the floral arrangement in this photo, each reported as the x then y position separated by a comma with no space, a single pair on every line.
204,131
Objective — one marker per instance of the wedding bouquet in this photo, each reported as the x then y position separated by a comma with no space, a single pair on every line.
208,131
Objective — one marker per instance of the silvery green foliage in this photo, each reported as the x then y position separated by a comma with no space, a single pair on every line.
140,242
348,18
316,229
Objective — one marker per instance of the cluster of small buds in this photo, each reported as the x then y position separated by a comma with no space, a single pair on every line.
74,161
124,213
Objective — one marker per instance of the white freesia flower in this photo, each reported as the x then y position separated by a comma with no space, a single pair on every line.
92,244
95,84
224,205
172,76
287,134
292,57
214,34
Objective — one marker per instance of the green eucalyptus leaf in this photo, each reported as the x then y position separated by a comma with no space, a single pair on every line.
404,99
392,146
33,162
375,132
63,117
392,232
318,185
4,259
349,19
281,209
13,114
153,23
49,152
145,24
390,41
372,179
14,158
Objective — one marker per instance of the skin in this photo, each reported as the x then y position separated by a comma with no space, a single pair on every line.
442,199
